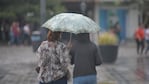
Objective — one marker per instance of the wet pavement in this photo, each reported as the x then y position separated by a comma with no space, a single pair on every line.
17,66
130,73
129,68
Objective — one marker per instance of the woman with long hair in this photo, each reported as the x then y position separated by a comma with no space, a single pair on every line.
53,60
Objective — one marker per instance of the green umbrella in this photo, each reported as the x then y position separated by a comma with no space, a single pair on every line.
71,22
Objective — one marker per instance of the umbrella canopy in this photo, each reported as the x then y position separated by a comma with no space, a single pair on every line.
71,22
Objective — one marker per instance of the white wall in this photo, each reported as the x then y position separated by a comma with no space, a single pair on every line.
132,22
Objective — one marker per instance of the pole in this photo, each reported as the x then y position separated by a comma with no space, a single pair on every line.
83,7
42,11
141,3
42,19
141,14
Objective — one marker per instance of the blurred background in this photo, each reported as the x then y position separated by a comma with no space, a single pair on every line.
21,34
128,13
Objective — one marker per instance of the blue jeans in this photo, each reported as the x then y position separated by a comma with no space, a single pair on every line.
89,79
60,81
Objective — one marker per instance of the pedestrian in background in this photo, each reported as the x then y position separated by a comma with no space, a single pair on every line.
140,37
85,57
53,60
4,29
14,33
11,42
117,31
147,39
27,33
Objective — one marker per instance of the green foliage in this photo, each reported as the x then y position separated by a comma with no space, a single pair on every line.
54,7
7,15
28,10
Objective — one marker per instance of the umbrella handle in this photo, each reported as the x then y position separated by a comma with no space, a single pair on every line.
69,45
70,38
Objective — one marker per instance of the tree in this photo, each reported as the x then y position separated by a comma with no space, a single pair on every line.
27,10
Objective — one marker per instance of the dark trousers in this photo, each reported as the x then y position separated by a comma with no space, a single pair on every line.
26,39
140,45
147,41
16,40
60,81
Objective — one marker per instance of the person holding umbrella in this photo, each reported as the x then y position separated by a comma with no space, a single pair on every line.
53,60
83,52
85,58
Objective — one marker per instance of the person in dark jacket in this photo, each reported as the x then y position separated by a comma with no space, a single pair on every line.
85,57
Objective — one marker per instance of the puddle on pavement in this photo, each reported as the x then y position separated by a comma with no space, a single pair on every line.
142,69
122,69
2,73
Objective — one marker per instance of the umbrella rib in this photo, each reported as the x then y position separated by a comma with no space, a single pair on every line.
88,26
95,25
62,21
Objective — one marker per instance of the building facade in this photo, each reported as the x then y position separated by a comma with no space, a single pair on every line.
85,7
125,13
109,12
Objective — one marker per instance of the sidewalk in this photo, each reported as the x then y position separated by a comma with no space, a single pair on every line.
127,69
18,63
